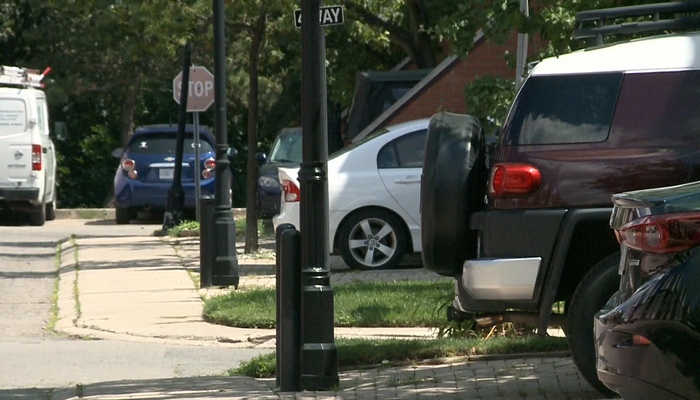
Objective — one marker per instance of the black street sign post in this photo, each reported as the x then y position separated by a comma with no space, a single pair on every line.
330,15
319,355
175,201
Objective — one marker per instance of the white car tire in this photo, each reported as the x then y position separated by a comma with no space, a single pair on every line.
373,239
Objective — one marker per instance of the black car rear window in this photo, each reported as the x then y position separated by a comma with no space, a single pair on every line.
563,109
164,143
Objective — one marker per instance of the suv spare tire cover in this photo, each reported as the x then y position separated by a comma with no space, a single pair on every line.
453,186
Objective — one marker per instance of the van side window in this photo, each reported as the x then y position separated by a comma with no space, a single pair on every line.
563,109
41,114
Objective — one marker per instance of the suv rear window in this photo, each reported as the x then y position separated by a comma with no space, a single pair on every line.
563,109
659,107
165,143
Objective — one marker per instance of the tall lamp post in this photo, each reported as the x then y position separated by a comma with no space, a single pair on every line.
226,264
319,355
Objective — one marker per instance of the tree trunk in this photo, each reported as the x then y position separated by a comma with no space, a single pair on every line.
251,218
127,117
423,49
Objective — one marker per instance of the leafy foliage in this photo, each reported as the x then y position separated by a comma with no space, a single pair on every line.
113,64
489,98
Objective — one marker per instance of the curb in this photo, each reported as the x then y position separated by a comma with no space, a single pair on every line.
108,213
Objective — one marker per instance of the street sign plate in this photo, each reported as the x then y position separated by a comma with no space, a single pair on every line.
200,93
329,15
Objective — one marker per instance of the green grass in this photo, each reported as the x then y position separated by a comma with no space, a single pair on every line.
382,304
193,226
353,353
184,226
359,304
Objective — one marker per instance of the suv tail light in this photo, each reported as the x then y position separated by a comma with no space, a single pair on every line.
209,166
36,157
292,193
513,179
663,233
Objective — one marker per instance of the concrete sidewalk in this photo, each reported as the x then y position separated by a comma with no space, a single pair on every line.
138,288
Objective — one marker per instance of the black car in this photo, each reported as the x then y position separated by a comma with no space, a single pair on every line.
648,334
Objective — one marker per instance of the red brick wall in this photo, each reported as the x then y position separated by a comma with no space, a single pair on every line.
446,93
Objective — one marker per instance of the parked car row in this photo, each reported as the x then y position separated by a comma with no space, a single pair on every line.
618,118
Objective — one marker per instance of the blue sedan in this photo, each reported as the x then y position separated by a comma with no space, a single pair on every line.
146,169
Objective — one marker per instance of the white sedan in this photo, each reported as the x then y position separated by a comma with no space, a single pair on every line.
373,197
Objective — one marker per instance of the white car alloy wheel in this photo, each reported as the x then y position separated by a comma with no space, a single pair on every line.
372,239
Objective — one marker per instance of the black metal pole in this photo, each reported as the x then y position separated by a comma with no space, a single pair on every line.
176,194
319,353
206,241
226,264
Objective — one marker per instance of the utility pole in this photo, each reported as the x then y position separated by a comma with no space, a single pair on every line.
521,61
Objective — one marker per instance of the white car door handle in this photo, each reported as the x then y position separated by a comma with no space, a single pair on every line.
408,180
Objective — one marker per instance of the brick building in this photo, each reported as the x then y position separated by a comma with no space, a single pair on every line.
443,88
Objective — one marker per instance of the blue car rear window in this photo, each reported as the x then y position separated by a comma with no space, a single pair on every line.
165,143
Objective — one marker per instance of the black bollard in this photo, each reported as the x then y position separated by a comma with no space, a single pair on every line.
206,241
278,285
290,312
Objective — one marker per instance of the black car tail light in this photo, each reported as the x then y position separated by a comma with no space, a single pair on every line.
633,341
661,234
514,179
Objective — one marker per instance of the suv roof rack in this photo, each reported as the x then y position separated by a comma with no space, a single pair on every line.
23,77
654,11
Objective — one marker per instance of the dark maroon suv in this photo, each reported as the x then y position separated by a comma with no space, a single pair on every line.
527,225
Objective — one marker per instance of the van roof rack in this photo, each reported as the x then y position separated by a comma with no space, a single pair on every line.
22,77
661,16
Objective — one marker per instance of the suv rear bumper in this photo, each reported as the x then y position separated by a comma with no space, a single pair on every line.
501,279
521,259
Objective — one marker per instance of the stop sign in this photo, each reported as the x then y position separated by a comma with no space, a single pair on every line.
200,92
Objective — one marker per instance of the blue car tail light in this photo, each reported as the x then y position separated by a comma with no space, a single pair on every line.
129,167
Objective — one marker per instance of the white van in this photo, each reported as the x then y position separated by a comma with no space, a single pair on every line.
27,155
